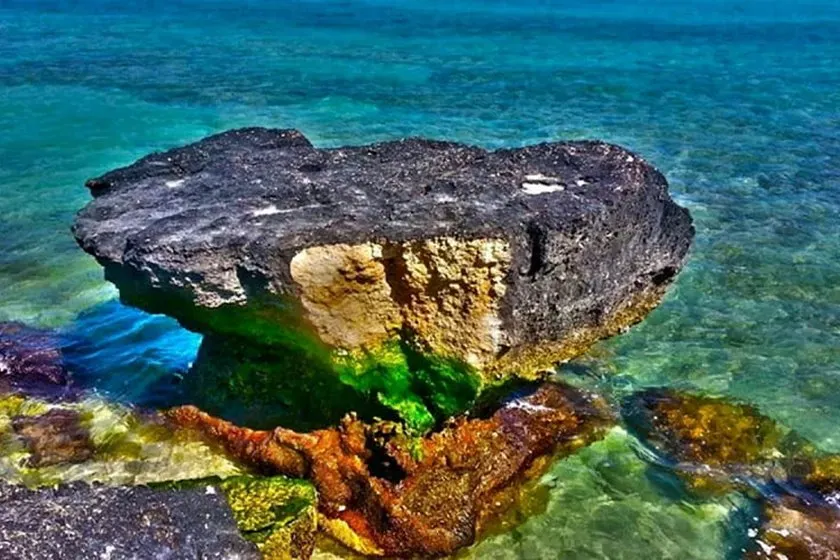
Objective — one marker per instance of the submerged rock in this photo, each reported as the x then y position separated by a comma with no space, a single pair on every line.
44,443
382,492
823,478
31,362
54,437
713,441
793,530
717,445
506,261
279,514
80,521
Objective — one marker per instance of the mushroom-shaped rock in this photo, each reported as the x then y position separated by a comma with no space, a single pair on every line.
505,261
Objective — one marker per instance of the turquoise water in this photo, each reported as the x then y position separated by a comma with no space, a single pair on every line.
738,103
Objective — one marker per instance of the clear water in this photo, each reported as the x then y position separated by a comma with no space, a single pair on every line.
737,102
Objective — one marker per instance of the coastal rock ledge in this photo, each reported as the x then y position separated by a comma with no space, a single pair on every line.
505,262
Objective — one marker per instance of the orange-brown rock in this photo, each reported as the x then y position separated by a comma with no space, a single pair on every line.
384,493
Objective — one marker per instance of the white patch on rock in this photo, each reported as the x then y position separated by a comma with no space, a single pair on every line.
540,178
782,532
537,183
768,549
209,490
581,183
530,407
539,188
267,211
175,184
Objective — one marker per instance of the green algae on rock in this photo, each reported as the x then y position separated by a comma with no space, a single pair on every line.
261,388
277,513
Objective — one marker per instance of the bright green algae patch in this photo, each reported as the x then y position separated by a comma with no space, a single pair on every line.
268,387
129,447
279,514
423,389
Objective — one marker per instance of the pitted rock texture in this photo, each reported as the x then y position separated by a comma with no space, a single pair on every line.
80,521
508,260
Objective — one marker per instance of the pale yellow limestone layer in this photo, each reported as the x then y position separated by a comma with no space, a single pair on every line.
444,291
450,295
345,294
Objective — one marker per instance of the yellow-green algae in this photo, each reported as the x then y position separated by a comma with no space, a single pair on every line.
129,447
279,514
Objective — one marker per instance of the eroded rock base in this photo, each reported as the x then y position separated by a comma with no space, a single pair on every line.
383,492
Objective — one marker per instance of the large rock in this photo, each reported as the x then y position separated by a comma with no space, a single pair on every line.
508,261
81,521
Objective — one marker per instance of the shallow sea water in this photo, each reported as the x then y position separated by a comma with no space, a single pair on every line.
738,103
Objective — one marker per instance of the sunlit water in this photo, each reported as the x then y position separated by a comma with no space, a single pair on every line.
738,103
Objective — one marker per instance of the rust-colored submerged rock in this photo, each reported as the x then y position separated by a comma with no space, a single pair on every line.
719,446
382,492
793,530
54,437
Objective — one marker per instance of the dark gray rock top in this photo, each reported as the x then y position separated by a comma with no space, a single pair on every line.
255,195
586,226
95,522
